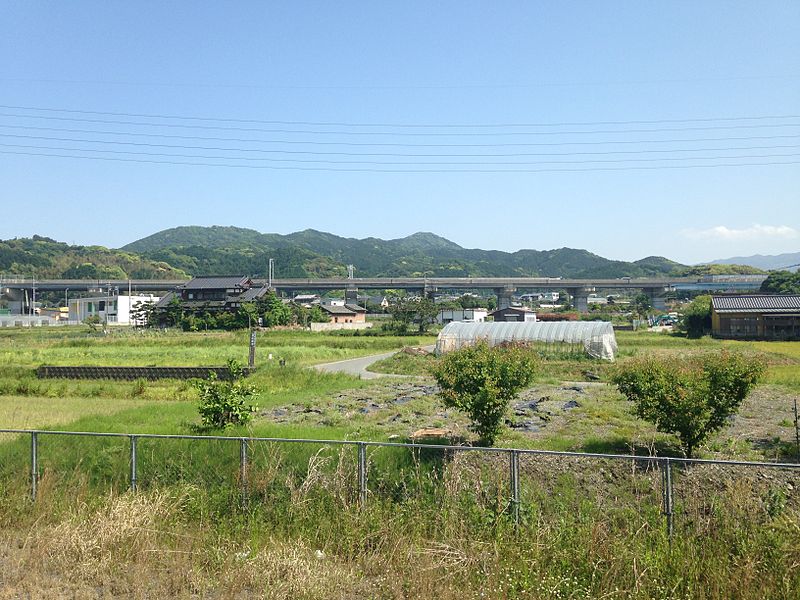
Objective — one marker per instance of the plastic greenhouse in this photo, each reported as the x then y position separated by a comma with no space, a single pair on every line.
595,337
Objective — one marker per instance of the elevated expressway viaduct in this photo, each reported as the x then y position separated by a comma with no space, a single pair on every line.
504,287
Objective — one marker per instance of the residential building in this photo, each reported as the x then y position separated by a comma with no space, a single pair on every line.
470,315
514,313
345,313
756,317
109,308
214,294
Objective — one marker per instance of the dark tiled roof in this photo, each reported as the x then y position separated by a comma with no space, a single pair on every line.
771,304
337,310
165,300
216,283
517,309
356,308
252,294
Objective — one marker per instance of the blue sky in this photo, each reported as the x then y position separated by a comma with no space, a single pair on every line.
414,63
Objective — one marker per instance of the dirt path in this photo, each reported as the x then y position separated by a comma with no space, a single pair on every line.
356,366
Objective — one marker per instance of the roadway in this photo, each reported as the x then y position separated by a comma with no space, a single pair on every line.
407,283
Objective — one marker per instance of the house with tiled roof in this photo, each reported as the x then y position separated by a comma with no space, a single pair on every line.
345,313
213,294
756,317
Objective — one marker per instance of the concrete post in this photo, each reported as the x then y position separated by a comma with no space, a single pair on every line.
504,296
657,299
580,298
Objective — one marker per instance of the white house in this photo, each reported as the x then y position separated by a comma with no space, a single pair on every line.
471,315
110,309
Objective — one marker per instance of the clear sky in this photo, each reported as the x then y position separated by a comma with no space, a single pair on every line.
634,106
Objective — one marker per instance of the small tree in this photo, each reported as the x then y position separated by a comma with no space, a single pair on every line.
691,400
225,404
481,381
697,317
641,304
92,321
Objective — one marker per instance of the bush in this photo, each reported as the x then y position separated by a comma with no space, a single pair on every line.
481,381
691,400
697,317
225,404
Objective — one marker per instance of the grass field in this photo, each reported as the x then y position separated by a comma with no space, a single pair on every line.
433,527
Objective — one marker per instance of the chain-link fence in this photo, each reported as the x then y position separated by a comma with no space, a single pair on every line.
530,486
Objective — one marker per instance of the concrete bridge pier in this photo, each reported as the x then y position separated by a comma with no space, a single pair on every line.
657,299
430,291
580,298
504,296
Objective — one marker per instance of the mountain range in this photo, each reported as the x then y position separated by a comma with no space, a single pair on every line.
217,250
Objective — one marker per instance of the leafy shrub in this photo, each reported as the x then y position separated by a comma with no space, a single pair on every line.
481,381
697,317
225,404
692,400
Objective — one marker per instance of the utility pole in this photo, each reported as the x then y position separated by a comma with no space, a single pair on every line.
271,272
33,302
350,271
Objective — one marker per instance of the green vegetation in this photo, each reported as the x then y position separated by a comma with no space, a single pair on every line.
48,258
782,282
226,404
482,381
691,400
406,312
435,525
716,269
697,317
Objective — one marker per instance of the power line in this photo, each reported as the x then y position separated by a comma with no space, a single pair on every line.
390,144
392,154
401,163
398,134
397,125
400,171
440,86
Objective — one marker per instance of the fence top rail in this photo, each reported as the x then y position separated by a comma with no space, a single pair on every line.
631,457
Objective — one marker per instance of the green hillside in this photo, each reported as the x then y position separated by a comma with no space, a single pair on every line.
47,258
311,253
186,251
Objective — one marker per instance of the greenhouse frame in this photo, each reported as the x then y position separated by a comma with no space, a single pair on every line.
596,338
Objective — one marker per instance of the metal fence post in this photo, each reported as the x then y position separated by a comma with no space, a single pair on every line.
666,471
514,480
243,468
34,464
133,462
362,474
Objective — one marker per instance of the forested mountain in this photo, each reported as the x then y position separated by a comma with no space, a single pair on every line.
186,251
46,258
789,261
216,250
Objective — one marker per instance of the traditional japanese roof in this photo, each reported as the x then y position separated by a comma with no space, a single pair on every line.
356,308
252,294
165,300
337,310
756,304
216,283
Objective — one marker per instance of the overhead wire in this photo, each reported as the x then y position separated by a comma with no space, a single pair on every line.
391,154
397,125
397,134
402,163
401,171
391,144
